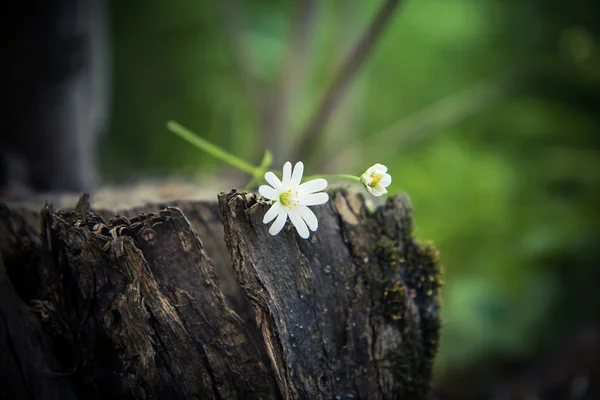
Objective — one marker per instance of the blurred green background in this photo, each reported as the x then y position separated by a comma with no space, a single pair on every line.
485,112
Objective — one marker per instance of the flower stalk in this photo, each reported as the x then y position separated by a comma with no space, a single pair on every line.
375,179
214,150
347,177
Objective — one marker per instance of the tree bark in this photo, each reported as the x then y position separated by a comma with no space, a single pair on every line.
194,299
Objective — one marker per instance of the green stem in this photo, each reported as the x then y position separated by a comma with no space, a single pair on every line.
261,169
335,177
211,149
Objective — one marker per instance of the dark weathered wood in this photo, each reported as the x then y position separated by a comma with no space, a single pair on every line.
146,287
350,313
28,364
170,302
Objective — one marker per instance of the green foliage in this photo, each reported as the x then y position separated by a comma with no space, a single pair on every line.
509,196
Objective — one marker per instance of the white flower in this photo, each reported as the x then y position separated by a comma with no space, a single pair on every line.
291,200
376,179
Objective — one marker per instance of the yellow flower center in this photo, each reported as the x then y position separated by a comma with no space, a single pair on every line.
288,198
375,180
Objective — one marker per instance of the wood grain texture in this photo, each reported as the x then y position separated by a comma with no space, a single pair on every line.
195,300
350,313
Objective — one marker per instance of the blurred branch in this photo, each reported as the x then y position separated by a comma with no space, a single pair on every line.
348,69
292,75
427,121
233,22
345,127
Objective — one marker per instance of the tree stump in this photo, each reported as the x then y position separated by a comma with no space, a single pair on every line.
195,300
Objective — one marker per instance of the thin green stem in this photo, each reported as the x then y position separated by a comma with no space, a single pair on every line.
261,169
335,177
211,149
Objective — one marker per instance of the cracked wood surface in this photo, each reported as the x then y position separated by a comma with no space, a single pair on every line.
167,301
346,313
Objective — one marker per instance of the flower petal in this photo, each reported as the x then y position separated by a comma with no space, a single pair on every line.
309,217
380,168
313,186
273,180
386,180
279,222
299,223
313,199
297,174
287,174
273,212
268,192
367,180
378,191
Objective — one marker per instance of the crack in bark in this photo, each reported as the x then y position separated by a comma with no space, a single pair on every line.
334,314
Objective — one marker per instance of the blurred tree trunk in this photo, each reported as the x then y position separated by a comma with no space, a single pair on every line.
55,76
197,300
